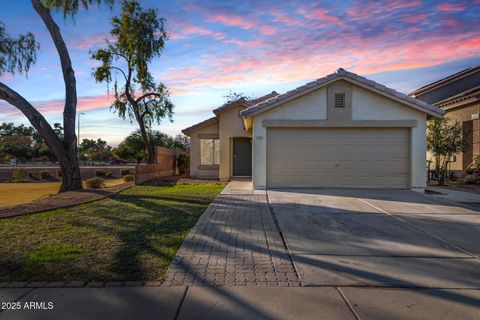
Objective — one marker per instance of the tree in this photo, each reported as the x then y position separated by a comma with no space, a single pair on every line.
444,139
139,37
95,150
132,147
25,143
233,96
16,146
17,54
181,142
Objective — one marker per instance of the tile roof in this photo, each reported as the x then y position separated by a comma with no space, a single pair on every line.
443,81
464,96
341,74
241,101
199,125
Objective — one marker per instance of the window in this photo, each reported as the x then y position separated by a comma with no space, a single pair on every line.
209,151
339,100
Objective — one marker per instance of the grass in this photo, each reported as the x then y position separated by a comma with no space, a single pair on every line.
53,253
132,236
24,192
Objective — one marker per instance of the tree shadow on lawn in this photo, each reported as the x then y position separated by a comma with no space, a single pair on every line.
149,238
124,238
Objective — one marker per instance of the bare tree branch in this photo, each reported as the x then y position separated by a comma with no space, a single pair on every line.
146,95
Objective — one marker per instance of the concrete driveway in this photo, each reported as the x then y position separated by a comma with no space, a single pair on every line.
379,238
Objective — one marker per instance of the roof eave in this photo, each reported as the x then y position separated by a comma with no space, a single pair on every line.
335,77
189,130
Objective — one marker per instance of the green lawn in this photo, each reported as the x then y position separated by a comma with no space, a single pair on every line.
132,236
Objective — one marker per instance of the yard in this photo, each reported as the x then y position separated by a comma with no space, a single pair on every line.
132,236
16,193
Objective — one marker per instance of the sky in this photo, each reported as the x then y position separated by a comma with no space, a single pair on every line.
249,46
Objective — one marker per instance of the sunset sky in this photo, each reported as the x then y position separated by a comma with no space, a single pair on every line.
250,46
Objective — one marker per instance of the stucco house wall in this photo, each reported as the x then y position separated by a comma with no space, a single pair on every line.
471,131
366,105
196,169
231,126
312,106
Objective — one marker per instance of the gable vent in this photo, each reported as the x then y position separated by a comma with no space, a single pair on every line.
339,100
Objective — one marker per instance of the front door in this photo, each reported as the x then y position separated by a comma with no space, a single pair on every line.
242,157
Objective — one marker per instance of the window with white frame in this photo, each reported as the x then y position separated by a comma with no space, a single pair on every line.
209,151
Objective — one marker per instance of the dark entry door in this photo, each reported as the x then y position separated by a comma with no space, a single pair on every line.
242,157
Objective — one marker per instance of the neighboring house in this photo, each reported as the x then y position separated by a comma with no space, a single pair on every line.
459,96
342,130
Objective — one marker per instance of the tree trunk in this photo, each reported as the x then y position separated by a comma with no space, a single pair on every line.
148,145
70,174
70,168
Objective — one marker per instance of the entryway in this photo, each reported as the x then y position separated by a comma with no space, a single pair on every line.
242,157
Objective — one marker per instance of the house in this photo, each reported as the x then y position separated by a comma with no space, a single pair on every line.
342,130
459,95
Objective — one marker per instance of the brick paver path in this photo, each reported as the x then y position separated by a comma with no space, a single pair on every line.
234,243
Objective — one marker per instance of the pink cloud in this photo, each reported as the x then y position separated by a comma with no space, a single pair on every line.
415,18
55,106
450,7
322,16
267,30
190,29
241,43
92,41
284,18
402,4
365,12
232,20
283,62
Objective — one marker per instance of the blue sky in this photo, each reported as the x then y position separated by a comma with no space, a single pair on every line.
252,47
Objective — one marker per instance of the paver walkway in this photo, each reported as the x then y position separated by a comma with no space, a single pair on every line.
234,243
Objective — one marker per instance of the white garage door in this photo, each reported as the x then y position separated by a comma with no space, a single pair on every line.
340,157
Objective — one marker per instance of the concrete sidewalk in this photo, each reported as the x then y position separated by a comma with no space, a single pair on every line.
241,303
454,195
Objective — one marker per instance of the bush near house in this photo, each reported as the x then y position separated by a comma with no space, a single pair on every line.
19,175
124,172
99,173
95,183
108,174
32,175
128,178
183,163
45,174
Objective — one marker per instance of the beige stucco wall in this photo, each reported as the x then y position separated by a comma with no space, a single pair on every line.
195,152
471,127
371,106
231,126
366,105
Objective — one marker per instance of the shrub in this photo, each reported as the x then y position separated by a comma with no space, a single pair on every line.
108,174
32,175
124,172
183,163
128,178
59,173
99,173
19,175
95,183
45,174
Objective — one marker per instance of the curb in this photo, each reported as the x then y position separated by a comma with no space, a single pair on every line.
78,284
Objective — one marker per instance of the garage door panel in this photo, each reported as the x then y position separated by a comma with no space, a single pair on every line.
371,157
